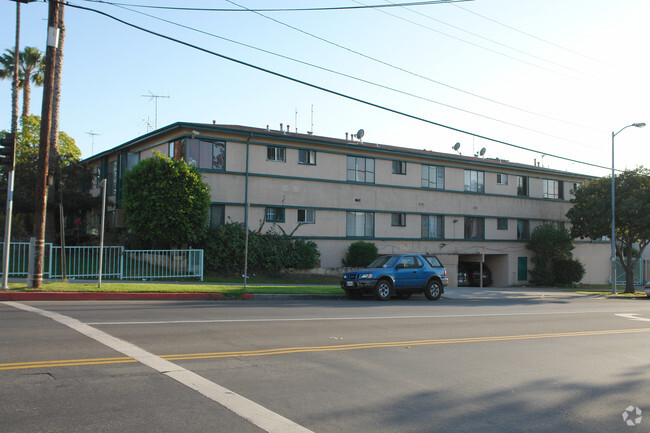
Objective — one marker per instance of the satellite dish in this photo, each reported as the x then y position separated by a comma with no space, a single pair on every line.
360,134
482,152
456,147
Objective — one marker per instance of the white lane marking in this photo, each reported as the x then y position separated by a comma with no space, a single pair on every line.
256,414
631,316
315,319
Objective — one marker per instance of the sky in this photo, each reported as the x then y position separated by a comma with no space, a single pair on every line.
557,77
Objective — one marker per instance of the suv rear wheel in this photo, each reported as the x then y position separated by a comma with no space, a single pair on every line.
383,290
433,290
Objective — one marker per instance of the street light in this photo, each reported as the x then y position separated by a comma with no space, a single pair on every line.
613,237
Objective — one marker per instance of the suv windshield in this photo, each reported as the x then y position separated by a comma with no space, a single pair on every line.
383,262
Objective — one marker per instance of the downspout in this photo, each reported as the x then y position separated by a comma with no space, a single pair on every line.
245,276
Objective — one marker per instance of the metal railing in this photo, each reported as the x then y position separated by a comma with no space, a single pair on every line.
117,262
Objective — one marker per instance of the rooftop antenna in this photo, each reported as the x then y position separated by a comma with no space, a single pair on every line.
360,133
92,146
151,97
312,118
148,123
456,147
481,152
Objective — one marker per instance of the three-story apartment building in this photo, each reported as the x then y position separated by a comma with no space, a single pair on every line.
337,191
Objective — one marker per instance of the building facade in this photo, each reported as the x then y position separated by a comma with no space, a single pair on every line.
338,191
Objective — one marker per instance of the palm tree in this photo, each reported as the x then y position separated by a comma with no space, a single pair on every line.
30,70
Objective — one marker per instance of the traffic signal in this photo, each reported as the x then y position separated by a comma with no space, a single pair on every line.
7,145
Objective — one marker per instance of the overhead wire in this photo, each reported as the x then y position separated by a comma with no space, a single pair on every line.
330,91
342,74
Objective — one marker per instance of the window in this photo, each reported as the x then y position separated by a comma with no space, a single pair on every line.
474,228
523,230
217,215
398,219
361,169
502,224
474,181
433,176
275,214
206,154
111,178
553,189
502,179
360,224
306,216
275,154
306,156
171,150
522,186
132,159
410,262
432,227
399,167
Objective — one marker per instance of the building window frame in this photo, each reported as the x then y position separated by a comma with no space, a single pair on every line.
522,186
276,153
502,223
206,154
306,216
360,224
216,216
502,179
399,167
274,214
433,176
474,228
360,169
553,189
474,181
398,219
432,227
523,230
306,157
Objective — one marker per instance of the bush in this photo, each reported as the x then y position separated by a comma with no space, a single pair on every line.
567,271
269,252
360,254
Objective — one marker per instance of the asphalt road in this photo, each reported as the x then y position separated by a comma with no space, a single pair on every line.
475,361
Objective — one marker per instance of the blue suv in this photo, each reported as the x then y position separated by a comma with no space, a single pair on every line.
399,275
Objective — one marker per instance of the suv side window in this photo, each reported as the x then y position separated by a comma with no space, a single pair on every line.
433,261
410,262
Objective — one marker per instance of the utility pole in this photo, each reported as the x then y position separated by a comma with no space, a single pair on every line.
35,280
151,97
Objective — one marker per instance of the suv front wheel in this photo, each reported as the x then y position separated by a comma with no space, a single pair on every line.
383,290
433,290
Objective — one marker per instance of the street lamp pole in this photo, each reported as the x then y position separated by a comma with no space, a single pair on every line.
613,236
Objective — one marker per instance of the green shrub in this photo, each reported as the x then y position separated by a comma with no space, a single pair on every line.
567,271
360,254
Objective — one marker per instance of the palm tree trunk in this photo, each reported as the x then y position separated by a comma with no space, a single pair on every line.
26,94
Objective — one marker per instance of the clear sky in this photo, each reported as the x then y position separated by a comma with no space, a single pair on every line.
557,76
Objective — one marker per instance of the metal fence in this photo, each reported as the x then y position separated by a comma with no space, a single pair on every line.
117,262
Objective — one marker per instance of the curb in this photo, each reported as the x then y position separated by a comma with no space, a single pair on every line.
105,296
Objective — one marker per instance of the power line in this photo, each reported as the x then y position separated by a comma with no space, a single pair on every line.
392,89
330,91
336,8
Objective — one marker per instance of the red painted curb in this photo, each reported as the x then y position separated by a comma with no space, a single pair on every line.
248,296
104,296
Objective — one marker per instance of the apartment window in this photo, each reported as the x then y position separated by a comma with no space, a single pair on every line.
523,230
398,220
432,227
361,169
275,214
522,186
474,181
360,224
502,179
111,178
275,154
433,176
205,154
217,215
171,150
306,216
474,228
399,167
553,189
132,159
502,223
306,156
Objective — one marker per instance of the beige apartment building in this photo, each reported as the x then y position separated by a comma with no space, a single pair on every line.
338,191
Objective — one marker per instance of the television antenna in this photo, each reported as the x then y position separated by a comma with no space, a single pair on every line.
153,97
92,145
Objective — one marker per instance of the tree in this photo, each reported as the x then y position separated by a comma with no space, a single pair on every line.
31,66
553,259
591,215
360,254
165,202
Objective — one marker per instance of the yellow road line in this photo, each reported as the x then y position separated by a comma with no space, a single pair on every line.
342,347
